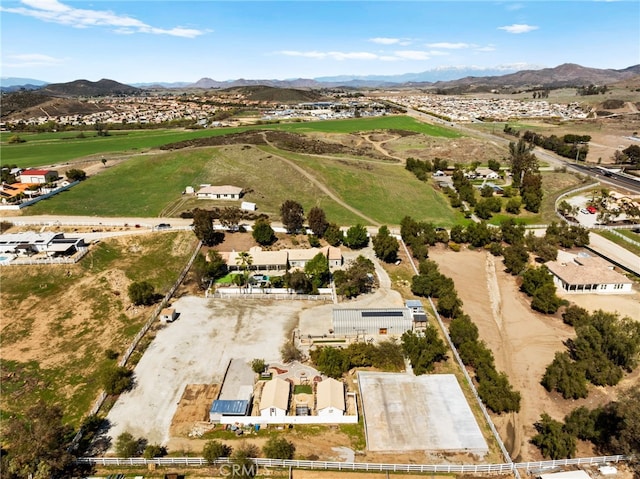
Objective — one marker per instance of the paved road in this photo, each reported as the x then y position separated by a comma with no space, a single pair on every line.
615,253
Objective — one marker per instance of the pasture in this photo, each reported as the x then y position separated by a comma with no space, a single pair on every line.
60,320
146,185
45,149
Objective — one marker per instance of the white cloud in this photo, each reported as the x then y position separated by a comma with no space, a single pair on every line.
488,48
331,55
385,40
56,12
518,28
31,60
412,55
448,45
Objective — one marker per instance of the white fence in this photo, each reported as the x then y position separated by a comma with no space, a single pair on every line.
324,294
24,204
21,261
275,420
508,468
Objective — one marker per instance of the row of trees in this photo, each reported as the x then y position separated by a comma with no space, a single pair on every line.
334,362
569,146
493,387
630,155
604,348
422,168
613,428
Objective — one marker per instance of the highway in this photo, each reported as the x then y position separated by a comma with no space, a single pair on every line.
615,179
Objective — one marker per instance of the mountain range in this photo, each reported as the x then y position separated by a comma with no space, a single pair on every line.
566,75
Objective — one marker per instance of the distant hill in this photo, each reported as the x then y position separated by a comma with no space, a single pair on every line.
85,88
7,82
280,95
297,83
566,75
28,104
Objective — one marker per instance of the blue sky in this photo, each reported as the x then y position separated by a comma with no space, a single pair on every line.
182,40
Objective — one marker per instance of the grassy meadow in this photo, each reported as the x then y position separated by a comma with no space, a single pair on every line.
65,318
40,149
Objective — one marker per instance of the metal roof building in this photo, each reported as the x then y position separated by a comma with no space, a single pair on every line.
376,321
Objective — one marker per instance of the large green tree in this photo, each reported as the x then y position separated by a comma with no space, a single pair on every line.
385,246
317,221
263,232
356,237
37,444
292,215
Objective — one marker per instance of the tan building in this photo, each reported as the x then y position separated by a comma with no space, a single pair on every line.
330,398
275,398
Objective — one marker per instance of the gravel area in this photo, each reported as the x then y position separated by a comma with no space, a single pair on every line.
196,349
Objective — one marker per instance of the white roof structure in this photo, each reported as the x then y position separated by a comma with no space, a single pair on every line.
586,271
275,394
330,393
219,190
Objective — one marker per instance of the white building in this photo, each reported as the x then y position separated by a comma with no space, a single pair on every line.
375,321
588,275
330,398
275,398
224,192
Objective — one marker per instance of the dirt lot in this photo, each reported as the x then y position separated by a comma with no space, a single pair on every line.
523,343
193,408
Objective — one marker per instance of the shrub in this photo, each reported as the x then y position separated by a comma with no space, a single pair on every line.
213,450
258,365
126,445
141,293
154,450
117,380
279,448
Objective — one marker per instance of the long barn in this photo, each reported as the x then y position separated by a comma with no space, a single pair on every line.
376,321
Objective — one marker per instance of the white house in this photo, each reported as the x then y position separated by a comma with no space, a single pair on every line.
38,176
224,192
275,398
330,398
588,275
487,173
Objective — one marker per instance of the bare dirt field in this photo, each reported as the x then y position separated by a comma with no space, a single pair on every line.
193,408
523,342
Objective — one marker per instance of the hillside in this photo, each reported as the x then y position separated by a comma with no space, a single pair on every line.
28,104
87,88
566,75
279,95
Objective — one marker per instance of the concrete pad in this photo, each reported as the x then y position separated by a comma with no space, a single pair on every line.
408,413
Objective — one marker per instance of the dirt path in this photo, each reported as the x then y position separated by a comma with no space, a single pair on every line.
320,185
523,342
378,145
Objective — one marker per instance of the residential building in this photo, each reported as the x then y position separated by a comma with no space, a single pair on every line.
224,192
587,274
38,176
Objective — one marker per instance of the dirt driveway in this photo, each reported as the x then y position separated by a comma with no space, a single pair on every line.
196,349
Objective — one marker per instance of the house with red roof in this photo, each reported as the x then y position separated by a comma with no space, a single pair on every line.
38,176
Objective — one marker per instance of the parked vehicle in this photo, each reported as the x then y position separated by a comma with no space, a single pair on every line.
592,210
584,211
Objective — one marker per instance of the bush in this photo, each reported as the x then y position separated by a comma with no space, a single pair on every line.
263,233
126,445
552,439
258,365
213,450
141,293
356,237
76,175
154,450
117,380
290,352
279,448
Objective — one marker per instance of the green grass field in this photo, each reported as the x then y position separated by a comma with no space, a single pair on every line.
58,148
143,186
